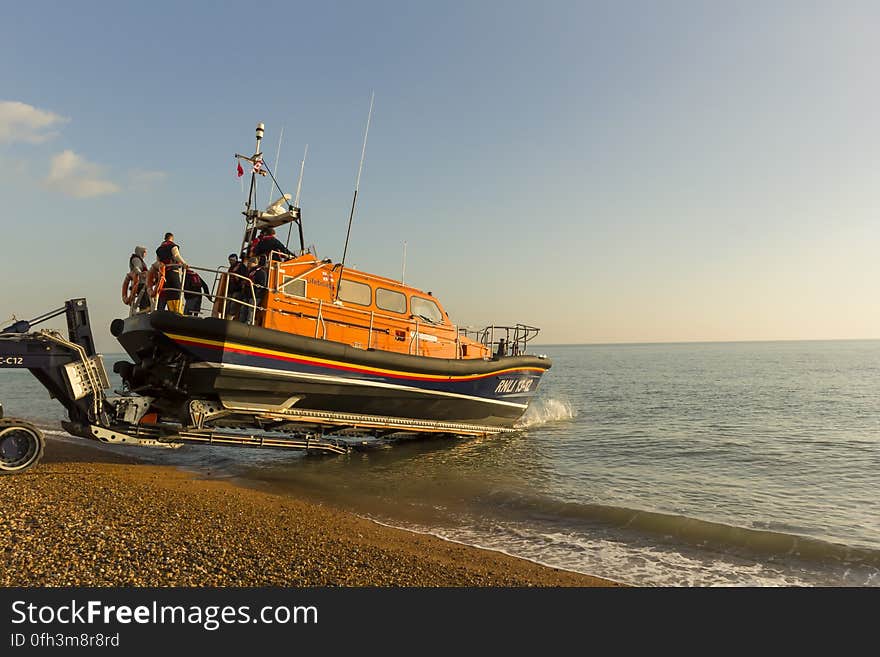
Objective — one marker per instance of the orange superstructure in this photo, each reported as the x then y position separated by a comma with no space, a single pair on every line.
320,299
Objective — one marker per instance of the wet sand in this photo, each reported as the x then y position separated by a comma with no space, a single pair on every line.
88,517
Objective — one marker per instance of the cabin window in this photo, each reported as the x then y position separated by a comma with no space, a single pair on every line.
426,310
354,292
390,300
295,287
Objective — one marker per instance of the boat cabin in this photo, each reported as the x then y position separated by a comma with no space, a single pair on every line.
323,300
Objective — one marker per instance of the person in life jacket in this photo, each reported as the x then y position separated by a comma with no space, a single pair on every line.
255,290
194,287
168,253
252,247
137,267
234,286
269,243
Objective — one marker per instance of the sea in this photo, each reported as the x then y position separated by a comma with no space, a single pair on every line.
740,464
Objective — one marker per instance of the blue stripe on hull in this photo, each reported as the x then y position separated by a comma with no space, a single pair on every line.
513,388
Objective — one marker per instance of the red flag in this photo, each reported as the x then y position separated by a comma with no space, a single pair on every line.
240,171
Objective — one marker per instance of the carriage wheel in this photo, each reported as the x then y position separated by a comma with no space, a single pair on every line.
21,445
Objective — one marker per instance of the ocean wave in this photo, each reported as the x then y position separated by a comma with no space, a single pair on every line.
662,528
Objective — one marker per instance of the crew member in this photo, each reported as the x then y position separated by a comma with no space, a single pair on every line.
269,243
137,267
255,289
194,287
168,254
234,285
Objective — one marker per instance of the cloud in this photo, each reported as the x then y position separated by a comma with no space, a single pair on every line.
74,176
140,180
22,122
69,173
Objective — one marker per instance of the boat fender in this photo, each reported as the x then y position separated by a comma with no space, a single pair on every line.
129,287
155,280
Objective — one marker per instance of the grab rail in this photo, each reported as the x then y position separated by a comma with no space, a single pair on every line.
242,305
511,340
215,294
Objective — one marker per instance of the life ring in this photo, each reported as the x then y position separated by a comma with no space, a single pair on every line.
129,287
155,280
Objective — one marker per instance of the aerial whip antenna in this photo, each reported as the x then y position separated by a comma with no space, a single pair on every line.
277,156
299,184
403,273
354,199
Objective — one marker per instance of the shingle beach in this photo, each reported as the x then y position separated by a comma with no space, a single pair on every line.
88,517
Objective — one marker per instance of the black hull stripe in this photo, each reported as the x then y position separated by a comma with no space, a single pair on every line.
256,337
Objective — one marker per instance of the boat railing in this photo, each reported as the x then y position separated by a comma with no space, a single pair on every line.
228,304
224,304
241,304
502,340
134,306
280,256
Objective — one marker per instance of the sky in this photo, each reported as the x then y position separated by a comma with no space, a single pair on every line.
610,172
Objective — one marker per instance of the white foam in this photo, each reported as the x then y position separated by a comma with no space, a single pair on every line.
616,561
542,411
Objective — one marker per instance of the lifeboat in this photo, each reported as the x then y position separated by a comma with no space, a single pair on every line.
322,344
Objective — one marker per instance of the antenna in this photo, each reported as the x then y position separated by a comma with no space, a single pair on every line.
403,274
354,199
299,184
258,158
277,156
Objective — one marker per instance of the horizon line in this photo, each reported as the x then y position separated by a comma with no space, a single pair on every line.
659,342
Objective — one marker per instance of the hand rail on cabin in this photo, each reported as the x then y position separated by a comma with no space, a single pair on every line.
283,257
222,278
280,286
415,338
452,342
318,319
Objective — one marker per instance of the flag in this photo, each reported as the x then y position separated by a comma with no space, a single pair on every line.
240,171
258,166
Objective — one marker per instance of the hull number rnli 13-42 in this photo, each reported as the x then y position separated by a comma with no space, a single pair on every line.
514,385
